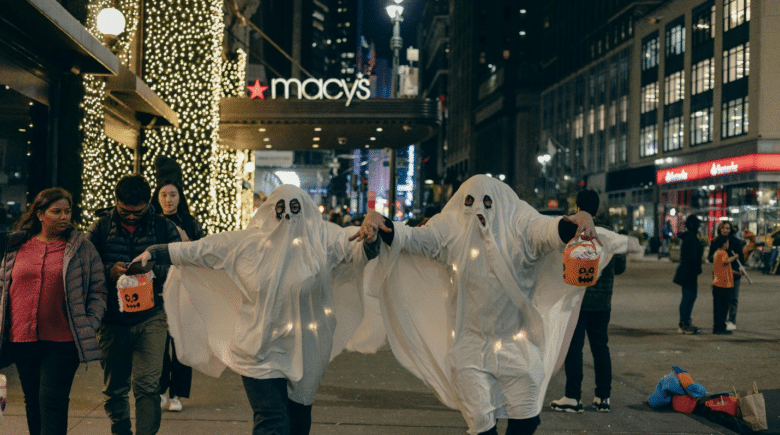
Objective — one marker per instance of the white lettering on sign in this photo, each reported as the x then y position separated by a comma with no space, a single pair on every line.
720,170
672,177
323,89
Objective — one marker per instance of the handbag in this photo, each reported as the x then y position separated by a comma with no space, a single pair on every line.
725,403
753,408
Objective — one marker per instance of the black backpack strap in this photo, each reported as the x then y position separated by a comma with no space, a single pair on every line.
161,229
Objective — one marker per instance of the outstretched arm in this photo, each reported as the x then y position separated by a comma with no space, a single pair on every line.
585,228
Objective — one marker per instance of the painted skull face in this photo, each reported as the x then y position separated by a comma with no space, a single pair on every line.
586,275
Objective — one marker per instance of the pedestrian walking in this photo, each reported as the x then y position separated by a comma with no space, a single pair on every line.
52,299
266,302
593,321
735,247
688,270
132,340
169,200
722,283
475,304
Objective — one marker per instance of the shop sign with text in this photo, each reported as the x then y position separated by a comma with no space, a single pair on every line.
713,168
313,89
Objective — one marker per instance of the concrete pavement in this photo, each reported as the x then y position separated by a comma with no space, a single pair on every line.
372,394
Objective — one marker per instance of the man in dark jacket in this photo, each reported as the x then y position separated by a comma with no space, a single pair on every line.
593,320
132,340
688,272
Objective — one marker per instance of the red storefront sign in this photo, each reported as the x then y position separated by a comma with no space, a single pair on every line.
714,168
552,203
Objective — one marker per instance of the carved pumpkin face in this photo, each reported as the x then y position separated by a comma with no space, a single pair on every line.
131,302
586,275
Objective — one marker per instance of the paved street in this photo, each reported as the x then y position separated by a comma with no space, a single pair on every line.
372,394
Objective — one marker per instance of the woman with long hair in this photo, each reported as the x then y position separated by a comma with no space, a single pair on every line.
169,200
52,300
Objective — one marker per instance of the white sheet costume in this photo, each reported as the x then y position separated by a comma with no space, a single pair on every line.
481,313
265,301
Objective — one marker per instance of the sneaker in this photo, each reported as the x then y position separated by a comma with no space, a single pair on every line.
175,405
731,326
724,332
567,404
601,405
163,400
688,330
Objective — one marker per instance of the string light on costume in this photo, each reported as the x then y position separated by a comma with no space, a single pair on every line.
519,336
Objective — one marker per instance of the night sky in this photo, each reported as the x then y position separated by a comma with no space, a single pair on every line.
378,27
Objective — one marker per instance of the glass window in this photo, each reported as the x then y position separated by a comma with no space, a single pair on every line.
579,126
735,117
16,134
649,54
612,113
703,26
649,98
624,109
702,76
674,87
675,40
735,12
612,150
736,63
623,147
591,121
601,118
673,134
648,141
701,126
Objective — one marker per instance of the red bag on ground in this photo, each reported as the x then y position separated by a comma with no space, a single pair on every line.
727,404
683,403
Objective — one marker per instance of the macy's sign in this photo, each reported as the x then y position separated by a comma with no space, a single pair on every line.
314,89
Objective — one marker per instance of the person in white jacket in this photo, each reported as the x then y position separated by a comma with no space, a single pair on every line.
265,302
477,307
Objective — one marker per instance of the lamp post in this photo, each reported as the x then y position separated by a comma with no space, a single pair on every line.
111,23
394,10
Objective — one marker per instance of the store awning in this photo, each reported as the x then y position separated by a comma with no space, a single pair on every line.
280,124
129,98
51,34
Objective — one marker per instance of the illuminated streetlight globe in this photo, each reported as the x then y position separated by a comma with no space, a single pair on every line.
394,10
111,22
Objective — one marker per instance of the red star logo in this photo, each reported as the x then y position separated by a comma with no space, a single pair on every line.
257,90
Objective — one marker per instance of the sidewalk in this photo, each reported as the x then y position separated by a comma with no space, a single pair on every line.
361,394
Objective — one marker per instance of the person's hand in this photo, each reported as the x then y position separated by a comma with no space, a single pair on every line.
143,258
372,223
634,245
586,229
118,270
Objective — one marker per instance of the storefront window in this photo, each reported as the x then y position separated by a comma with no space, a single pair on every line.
16,130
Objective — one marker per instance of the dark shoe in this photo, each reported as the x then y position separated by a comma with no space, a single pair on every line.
687,329
601,405
567,404
724,332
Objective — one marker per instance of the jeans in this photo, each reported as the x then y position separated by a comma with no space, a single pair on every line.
176,377
46,371
526,426
686,304
734,301
133,352
720,308
274,413
595,323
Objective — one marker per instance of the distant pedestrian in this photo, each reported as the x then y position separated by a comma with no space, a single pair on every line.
593,320
722,283
52,298
687,273
735,247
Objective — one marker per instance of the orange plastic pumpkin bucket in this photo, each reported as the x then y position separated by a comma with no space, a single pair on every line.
581,272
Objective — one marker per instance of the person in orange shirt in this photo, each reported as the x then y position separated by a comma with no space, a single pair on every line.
721,284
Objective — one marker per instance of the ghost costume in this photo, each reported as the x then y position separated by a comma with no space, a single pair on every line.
277,300
480,312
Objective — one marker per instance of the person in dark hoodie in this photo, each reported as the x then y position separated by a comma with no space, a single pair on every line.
132,342
593,320
52,299
687,273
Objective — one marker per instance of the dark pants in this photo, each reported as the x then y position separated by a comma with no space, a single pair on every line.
175,376
133,356
720,308
734,301
46,371
595,323
526,426
686,304
274,413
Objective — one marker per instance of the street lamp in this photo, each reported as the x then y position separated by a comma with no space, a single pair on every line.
394,10
111,23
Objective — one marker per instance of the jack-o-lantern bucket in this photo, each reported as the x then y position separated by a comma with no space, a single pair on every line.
580,268
136,292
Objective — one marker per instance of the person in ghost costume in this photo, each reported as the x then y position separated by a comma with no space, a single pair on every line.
477,307
265,302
